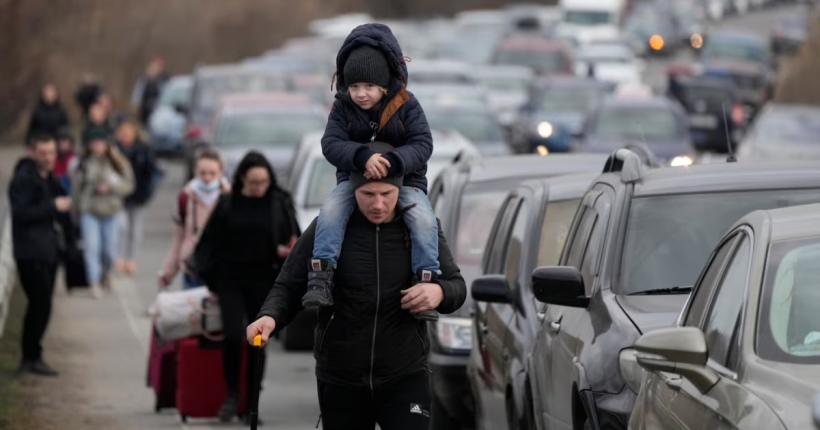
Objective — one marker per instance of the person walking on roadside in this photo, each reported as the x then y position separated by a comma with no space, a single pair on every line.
102,180
98,124
87,93
239,255
373,104
194,205
38,204
148,89
143,165
371,354
49,115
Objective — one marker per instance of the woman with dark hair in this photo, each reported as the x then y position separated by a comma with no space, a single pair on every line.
244,244
101,182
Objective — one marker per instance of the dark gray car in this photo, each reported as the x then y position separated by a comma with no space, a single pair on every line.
635,248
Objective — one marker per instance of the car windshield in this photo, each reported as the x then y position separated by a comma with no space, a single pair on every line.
441,77
587,17
261,129
789,328
569,99
543,61
476,126
212,89
788,127
669,238
606,54
479,205
645,123
740,80
321,182
734,50
175,93
443,97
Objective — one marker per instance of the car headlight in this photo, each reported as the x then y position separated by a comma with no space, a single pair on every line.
455,333
681,160
545,129
631,371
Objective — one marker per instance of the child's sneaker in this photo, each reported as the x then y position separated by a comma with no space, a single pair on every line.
427,277
320,284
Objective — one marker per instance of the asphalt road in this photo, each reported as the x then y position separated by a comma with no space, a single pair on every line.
120,344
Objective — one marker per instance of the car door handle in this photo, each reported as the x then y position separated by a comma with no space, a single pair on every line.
555,326
674,383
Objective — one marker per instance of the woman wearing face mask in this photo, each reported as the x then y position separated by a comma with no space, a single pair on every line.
101,181
246,241
194,206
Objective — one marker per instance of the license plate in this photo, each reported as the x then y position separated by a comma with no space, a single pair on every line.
703,121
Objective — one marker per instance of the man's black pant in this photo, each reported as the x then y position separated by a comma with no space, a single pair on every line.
400,405
38,284
236,305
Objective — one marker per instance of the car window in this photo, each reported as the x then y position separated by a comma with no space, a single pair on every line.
265,130
724,313
543,61
569,99
554,230
514,251
789,325
643,124
477,126
321,182
176,93
581,237
703,291
594,248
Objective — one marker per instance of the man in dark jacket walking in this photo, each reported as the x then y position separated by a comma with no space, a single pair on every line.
49,116
38,204
371,353
149,88
87,93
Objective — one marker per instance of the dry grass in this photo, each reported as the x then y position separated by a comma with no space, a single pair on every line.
58,41
799,82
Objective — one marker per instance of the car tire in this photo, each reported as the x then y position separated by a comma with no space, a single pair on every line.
439,418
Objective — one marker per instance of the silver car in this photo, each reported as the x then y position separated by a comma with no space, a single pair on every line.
783,132
745,352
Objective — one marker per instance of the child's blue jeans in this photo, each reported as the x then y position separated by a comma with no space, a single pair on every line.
420,220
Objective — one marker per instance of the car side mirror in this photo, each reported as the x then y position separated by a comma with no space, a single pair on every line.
560,285
491,289
680,350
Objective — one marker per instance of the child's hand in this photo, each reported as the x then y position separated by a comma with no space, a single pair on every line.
376,167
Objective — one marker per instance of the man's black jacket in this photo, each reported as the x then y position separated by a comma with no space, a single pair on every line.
33,214
366,339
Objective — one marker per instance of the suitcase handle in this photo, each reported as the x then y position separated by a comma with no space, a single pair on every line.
257,371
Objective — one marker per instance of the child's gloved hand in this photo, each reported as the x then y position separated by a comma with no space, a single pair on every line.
376,167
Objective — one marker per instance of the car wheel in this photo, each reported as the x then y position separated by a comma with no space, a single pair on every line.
439,418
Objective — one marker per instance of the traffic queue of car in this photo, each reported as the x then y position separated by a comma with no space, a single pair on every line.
579,205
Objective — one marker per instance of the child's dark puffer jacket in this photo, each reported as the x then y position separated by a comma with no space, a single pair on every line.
402,123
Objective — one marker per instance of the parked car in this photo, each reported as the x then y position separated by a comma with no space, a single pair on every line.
507,88
789,34
546,57
274,130
166,126
529,231
478,124
555,113
466,198
715,110
634,250
745,351
655,122
609,62
783,131
312,177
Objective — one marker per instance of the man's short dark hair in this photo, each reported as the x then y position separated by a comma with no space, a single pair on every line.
38,139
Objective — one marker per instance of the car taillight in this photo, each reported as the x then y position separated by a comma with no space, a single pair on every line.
738,114
193,132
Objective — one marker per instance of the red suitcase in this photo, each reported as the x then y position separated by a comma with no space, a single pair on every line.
162,372
200,385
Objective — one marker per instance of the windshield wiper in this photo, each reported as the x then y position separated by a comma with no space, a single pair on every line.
673,290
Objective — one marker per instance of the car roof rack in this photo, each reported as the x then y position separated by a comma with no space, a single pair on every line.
627,162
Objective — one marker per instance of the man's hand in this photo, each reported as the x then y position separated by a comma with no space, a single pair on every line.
63,204
422,297
162,281
376,167
263,326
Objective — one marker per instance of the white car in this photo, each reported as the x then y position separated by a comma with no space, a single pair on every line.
610,61
313,177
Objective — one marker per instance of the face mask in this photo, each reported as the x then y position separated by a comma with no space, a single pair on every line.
206,186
